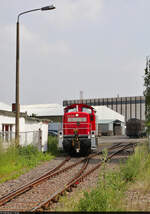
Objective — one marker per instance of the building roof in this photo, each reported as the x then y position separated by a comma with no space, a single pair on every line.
102,112
105,121
43,109
12,114
105,113
4,106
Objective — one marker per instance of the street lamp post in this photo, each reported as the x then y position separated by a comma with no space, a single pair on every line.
51,7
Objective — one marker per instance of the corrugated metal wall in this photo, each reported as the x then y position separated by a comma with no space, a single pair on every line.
130,107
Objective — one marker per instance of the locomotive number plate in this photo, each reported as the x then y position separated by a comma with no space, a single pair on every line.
77,119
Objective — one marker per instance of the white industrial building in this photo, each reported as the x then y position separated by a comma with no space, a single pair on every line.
32,130
108,121
105,113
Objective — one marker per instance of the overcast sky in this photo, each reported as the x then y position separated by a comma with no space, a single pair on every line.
97,46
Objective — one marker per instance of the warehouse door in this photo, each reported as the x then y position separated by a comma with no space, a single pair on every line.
117,129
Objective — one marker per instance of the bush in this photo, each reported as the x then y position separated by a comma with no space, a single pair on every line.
105,197
108,194
15,161
52,145
28,150
135,164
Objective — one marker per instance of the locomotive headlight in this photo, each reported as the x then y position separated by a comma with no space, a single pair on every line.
60,134
93,133
77,115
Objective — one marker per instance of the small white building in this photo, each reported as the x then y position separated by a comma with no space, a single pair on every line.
32,130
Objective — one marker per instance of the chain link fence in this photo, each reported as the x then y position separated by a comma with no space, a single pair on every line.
25,138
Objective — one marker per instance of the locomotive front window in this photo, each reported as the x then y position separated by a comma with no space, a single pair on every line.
72,110
87,110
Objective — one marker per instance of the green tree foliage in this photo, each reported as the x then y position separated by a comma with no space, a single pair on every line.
147,90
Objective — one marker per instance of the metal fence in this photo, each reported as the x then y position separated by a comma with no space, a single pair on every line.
25,138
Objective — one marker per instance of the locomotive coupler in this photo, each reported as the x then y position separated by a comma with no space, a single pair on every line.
76,141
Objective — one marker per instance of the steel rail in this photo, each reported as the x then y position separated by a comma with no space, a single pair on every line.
55,197
118,145
81,171
74,182
52,173
4,199
85,160
30,185
98,165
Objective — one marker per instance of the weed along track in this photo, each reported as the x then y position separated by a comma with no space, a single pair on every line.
22,198
42,192
93,159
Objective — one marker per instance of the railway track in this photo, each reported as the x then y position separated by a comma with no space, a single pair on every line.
7,201
40,193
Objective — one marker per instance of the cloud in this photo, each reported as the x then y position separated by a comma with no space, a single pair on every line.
7,35
35,43
69,12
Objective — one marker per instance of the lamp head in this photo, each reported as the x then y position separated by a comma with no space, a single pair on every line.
50,7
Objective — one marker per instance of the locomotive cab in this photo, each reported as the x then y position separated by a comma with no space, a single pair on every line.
79,129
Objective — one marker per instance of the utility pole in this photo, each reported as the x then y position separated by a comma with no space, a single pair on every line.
17,105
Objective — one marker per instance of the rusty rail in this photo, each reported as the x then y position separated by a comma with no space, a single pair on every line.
76,180
73,182
46,176
4,199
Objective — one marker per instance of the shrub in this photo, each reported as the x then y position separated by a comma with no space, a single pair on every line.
15,161
28,150
108,194
135,164
52,145
105,196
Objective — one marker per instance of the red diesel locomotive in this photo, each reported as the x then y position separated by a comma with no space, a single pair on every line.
79,129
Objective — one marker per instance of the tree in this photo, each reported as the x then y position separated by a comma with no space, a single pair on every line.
147,90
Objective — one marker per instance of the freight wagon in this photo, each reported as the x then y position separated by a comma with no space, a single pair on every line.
135,128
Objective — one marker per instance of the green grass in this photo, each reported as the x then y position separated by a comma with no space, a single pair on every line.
109,193
52,145
16,161
105,196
